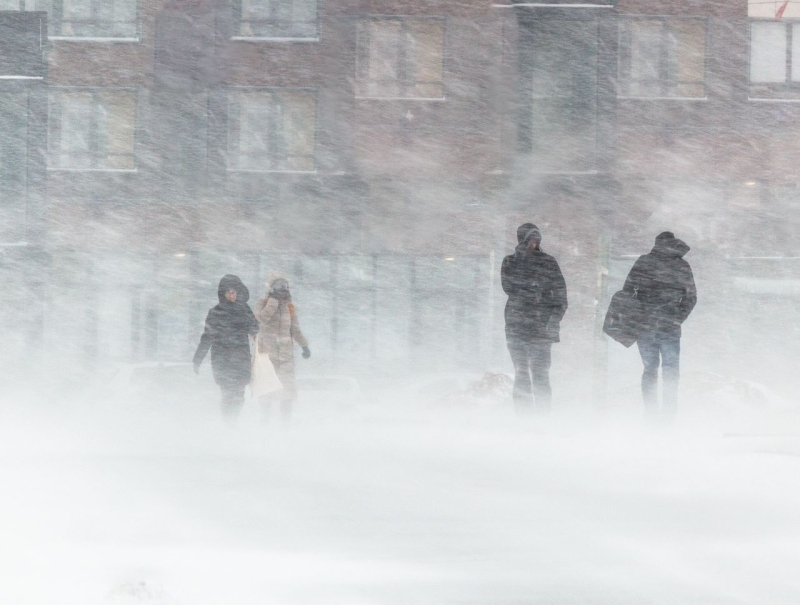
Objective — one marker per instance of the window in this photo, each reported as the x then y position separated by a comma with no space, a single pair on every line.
559,69
13,165
272,130
295,19
92,130
17,5
662,58
774,57
400,58
91,18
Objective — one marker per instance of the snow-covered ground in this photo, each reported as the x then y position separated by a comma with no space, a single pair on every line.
399,506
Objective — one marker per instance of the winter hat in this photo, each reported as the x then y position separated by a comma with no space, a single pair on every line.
275,276
523,230
528,233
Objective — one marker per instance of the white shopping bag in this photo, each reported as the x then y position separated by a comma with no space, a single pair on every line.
263,378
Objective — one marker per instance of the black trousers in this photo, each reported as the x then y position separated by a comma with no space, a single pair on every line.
531,374
232,400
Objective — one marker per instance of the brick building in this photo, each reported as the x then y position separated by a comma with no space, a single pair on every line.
382,154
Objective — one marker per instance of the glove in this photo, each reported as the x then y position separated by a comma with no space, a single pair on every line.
306,352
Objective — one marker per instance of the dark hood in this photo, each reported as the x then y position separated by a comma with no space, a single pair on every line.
526,234
233,282
669,245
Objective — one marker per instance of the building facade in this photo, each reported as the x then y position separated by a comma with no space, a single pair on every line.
382,154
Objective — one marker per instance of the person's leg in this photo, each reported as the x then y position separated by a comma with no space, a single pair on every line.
520,356
540,370
651,357
265,401
289,392
232,401
671,372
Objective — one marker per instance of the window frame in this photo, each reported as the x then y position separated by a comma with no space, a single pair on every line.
55,21
95,91
403,82
22,8
625,54
774,90
272,90
236,6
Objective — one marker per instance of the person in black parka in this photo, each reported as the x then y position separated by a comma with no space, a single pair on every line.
228,328
664,282
537,301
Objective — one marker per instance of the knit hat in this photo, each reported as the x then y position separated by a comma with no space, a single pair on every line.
275,276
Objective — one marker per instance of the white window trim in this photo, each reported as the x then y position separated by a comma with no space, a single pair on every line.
414,99
93,39
630,98
270,39
568,172
538,5
768,100
257,171
57,169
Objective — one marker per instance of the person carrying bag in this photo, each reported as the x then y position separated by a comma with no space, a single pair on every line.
263,377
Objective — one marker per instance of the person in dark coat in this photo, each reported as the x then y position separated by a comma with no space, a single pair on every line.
228,328
537,301
664,282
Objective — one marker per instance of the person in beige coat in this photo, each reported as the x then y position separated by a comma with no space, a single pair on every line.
278,332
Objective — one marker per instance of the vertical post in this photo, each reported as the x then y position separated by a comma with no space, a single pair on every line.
413,322
600,349
374,310
488,338
334,277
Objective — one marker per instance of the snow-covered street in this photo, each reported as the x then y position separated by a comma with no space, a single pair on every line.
445,509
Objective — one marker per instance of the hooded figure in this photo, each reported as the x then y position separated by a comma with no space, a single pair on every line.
228,326
279,331
663,281
537,301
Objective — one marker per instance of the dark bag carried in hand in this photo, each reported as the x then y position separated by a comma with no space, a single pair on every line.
625,318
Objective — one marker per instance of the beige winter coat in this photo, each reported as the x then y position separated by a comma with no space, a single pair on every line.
278,329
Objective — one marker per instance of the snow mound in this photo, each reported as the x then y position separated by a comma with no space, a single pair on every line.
139,592
493,389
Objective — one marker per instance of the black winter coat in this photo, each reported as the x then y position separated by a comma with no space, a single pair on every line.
664,282
537,295
228,326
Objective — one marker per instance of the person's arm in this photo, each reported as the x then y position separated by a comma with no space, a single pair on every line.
252,322
205,343
559,292
267,310
689,299
635,278
297,333
507,278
